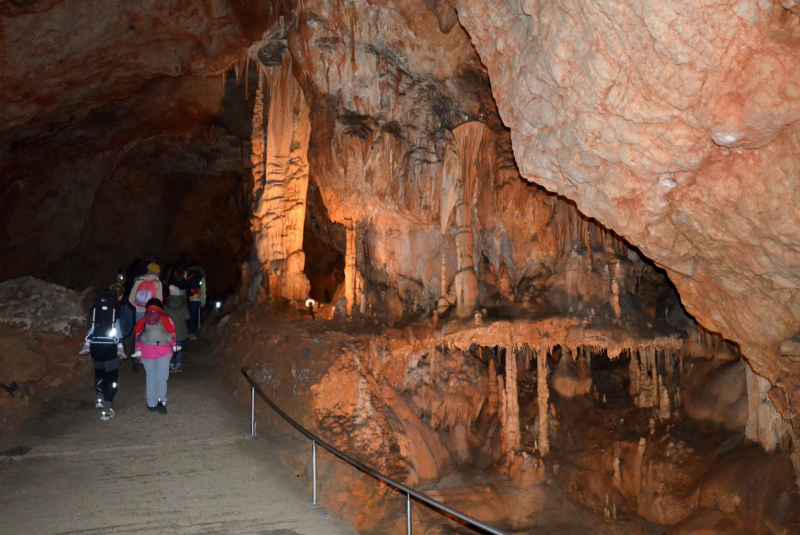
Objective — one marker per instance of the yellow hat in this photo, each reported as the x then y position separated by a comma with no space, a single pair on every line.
154,268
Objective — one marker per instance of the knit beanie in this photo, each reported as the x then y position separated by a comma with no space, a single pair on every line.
174,290
154,268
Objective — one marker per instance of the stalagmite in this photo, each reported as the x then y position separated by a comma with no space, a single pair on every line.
511,404
280,196
617,472
350,269
664,407
637,468
542,398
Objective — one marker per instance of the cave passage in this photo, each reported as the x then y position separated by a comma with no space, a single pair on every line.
324,244
554,259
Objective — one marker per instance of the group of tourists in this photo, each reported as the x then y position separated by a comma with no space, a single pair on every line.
156,313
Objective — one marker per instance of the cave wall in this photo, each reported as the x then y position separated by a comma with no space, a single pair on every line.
384,122
675,124
122,145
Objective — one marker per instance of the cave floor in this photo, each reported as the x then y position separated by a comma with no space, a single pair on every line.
190,471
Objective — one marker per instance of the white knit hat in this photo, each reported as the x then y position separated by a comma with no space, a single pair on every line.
173,290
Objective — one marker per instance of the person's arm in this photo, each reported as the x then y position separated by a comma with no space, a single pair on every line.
132,295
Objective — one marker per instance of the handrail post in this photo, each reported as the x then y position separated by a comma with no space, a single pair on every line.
253,410
314,472
408,514
252,435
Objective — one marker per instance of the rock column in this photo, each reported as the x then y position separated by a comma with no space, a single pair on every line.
280,192
458,194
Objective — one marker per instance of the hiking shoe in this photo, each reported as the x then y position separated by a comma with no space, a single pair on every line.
172,369
192,337
107,415
178,368
161,408
151,409
99,403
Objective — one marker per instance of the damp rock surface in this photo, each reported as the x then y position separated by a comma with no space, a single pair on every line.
675,124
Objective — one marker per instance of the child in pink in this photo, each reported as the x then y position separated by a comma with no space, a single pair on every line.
155,343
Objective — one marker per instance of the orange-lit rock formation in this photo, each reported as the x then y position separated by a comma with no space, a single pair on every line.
675,124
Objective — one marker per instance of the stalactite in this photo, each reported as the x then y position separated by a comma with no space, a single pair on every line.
512,404
350,261
654,397
615,298
588,244
543,396
443,303
633,369
764,424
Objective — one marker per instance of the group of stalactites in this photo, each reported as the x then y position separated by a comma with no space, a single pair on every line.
654,380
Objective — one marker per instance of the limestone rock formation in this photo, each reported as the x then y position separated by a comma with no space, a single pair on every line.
34,305
675,124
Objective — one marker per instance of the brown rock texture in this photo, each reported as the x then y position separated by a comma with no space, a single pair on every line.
675,124
94,90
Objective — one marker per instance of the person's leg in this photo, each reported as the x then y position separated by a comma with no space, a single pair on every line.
150,373
99,387
110,378
111,385
179,355
162,372
194,316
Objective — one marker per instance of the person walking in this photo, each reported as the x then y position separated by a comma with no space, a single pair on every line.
176,309
103,342
146,287
196,284
155,344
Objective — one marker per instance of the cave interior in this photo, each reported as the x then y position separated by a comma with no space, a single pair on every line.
551,261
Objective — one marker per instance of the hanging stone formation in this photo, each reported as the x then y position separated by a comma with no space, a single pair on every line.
350,267
279,191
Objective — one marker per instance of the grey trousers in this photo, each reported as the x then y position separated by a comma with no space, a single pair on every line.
157,371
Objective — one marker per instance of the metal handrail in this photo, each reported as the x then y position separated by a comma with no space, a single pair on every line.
437,506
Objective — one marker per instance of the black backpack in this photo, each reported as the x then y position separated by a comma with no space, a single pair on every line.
105,313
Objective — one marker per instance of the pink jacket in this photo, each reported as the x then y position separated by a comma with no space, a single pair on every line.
151,351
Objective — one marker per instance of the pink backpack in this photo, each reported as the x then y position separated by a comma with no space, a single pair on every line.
145,292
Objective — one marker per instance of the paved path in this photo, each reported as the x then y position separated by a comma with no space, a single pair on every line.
190,471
